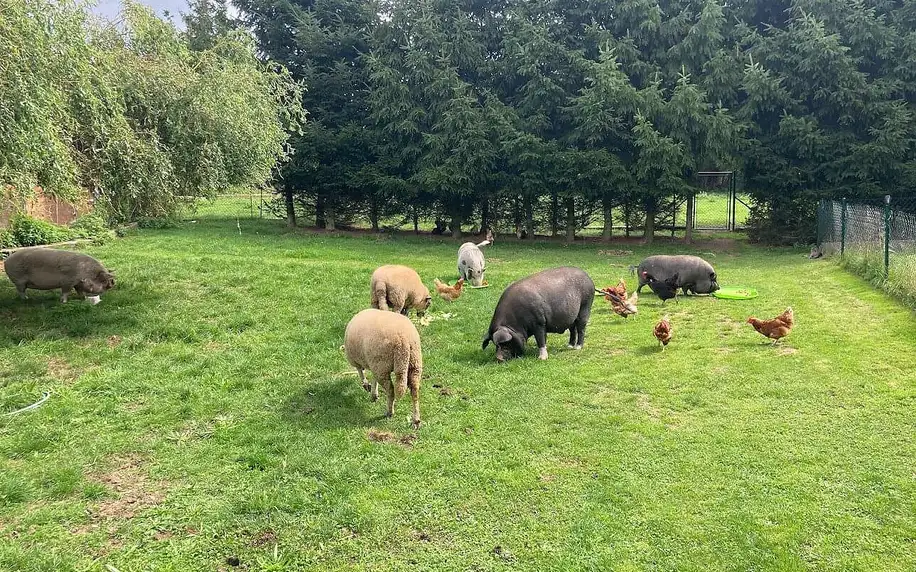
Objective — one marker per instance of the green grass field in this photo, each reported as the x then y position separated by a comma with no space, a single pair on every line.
203,417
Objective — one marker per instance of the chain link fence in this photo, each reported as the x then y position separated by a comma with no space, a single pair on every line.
876,238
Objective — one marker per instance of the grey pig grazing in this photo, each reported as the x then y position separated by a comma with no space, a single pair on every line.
47,269
471,264
695,274
552,301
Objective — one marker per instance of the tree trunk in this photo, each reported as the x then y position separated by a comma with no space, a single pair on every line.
455,224
373,214
649,232
329,217
570,219
416,221
608,220
485,215
529,217
554,215
290,208
517,217
688,233
319,211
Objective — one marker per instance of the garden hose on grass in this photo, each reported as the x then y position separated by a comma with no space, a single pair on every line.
35,405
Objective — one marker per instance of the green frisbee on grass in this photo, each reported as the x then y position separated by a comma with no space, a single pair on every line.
735,293
479,287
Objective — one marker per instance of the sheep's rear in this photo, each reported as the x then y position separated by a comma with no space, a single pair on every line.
386,343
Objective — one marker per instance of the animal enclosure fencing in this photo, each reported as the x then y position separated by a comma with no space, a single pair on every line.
714,206
874,237
250,205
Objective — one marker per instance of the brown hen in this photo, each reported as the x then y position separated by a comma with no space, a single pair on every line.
663,332
449,293
777,328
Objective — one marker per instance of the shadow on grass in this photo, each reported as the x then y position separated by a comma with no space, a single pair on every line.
340,403
43,316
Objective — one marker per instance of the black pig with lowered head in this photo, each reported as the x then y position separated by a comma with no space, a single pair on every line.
553,300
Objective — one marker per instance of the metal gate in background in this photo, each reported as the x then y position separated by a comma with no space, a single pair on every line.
716,204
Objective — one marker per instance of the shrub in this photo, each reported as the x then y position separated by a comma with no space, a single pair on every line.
6,239
28,231
93,226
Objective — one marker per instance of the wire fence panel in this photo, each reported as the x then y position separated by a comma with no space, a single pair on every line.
234,206
876,238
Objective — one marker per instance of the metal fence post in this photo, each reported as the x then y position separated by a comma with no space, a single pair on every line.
843,228
887,235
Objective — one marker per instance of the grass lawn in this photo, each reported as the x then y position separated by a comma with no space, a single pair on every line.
203,418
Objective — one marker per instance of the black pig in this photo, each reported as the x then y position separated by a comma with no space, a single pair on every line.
553,300
695,274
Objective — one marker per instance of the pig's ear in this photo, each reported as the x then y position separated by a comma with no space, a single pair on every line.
501,336
486,341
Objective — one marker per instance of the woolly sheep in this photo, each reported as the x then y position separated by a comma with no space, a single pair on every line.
48,269
399,289
386,343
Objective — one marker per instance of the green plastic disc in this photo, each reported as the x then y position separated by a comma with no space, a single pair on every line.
735,293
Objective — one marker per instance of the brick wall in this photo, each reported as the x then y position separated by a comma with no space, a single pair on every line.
43,206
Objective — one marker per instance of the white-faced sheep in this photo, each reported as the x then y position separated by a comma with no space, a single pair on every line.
386,343
399,289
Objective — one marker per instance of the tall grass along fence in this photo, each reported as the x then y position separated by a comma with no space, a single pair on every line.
875,238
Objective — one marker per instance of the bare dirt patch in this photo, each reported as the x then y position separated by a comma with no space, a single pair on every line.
786,351
615,252
114,341
134,490
264,538
407,440
61,370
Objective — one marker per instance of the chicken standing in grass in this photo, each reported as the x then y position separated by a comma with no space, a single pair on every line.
663,332
449,293
777,328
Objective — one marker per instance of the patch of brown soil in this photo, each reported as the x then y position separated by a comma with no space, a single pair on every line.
264,538
615,252
114,341
408,439
786,351
61,370
380,436
135,492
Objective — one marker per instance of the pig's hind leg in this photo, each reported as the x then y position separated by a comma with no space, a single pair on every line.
540,337
20,287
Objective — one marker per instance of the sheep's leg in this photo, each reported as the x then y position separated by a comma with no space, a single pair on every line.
362,379
373,394
380,299
390,412
414,383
